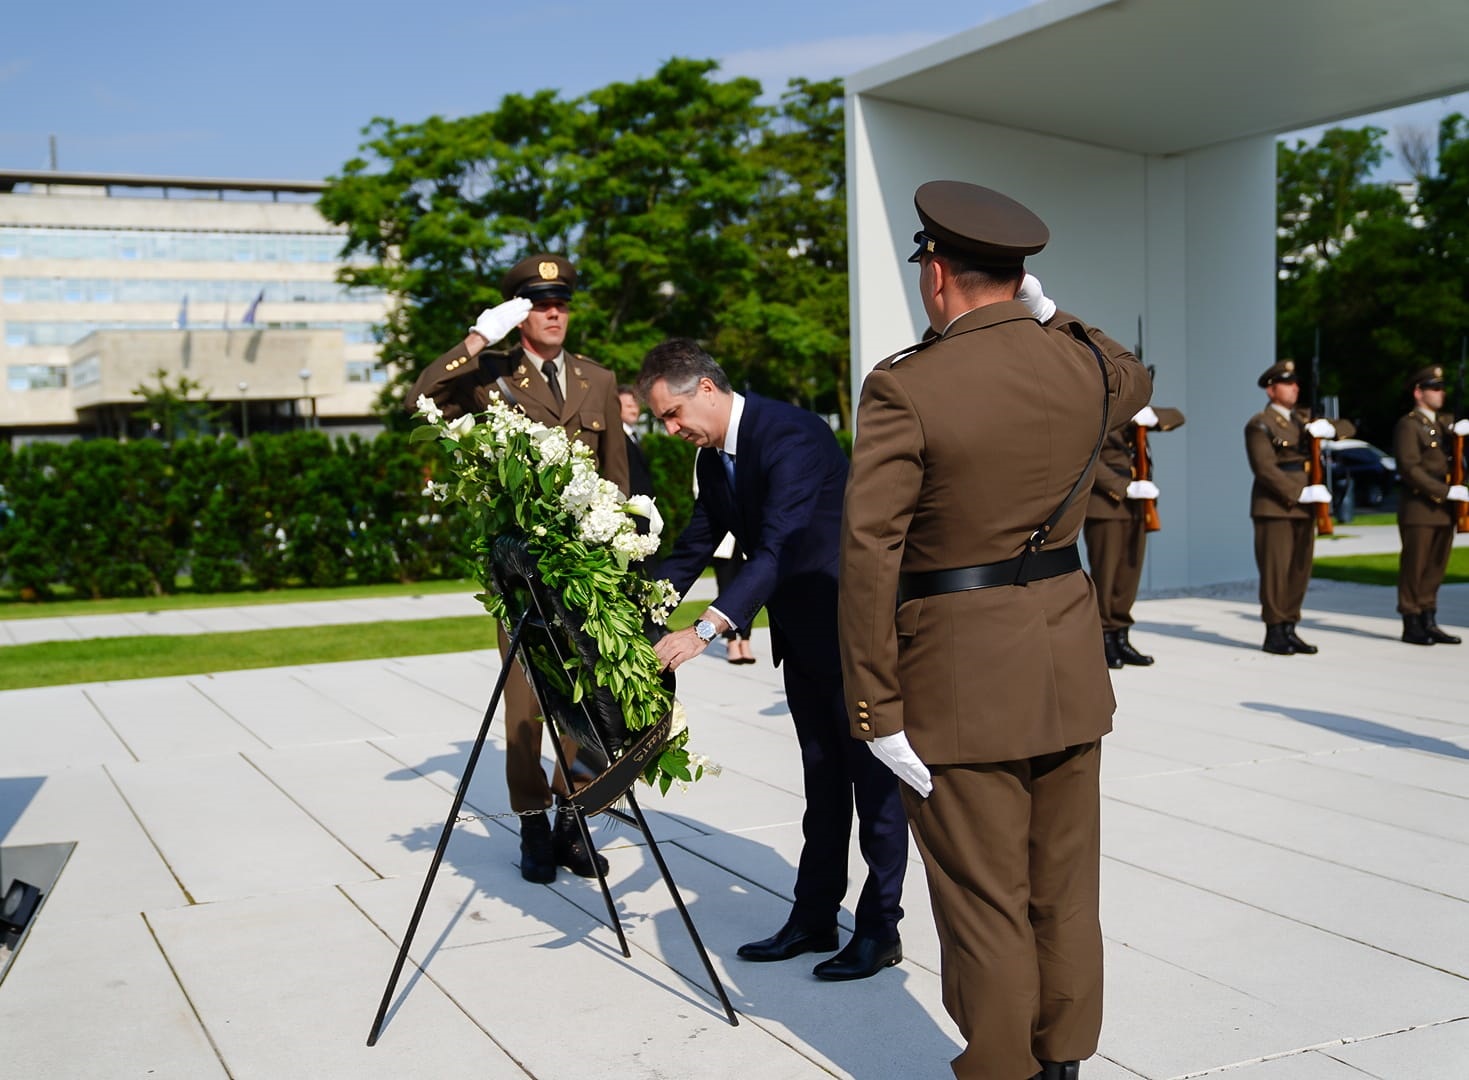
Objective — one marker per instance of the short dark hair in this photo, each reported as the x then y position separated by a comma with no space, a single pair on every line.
681,364
626,388
971,277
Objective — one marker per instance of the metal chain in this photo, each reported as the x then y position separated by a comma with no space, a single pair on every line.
514,813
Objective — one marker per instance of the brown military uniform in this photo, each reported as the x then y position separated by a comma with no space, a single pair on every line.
1279,451
1423,449
459,383
1115,535
963,449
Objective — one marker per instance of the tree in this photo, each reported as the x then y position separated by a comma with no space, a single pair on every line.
785,330
1382,280
636,182
172,410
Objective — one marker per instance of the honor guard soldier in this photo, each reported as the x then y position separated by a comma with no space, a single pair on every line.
970,634
1117,527
558,389
1423,445
1278,444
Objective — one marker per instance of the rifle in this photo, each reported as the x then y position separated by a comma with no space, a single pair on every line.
1461,513
1318,474
1143,463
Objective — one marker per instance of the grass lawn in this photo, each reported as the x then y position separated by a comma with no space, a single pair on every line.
13,608
1383,569
57,663
1371,519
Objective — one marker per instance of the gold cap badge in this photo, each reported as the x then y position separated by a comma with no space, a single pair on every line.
548,271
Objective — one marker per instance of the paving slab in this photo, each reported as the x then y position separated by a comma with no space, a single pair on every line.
281,710
382,693
227,832
1434,1052
168,719
94,999
288,986
50,728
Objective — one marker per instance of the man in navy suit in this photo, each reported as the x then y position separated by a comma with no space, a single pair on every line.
773,475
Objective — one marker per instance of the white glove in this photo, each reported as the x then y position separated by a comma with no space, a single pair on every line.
1458,493
1034,297
1461,427
1315,493
894,752
494,323
1146,417
1321,429
1142,489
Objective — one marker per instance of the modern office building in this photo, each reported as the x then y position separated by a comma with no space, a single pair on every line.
107,279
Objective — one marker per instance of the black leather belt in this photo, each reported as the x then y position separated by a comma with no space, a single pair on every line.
1017,571
1293,466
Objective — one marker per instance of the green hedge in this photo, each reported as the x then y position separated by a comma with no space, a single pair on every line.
101,518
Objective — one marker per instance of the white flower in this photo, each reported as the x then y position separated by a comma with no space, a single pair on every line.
429,411
644,506
436,491
462,426
423,519
553,445
680,721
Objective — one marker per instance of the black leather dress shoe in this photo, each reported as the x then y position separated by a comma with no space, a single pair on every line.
1276,640
1059,1070
1110,650
1438,633
790,940
863,958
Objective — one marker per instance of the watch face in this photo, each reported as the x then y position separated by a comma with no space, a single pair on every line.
704,629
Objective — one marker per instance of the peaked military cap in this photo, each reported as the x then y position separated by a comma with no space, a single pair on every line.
540,277
975,224
1429,378
1285,371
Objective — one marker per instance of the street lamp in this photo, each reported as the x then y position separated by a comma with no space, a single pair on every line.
305,374
244,412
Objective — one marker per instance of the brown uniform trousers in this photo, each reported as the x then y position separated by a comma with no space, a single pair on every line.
1116,537
459,383
1423,449
963,449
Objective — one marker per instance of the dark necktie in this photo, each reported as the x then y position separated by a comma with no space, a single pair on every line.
729,469
548,369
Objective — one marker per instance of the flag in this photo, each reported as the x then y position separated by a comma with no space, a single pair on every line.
182,322
249,319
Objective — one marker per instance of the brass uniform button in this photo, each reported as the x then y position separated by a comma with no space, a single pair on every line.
865,726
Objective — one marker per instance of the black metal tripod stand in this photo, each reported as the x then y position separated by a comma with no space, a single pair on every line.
535,622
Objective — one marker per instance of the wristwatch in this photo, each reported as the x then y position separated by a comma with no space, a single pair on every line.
705,629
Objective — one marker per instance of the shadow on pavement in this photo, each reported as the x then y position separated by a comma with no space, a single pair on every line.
1366,730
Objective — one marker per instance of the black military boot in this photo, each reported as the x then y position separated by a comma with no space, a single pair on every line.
571,851
1277,641
1415,630
1109,646
1296,643
1438,633
537,857
1059,1070
1128,654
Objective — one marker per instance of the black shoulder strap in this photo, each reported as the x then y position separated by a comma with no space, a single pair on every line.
1040,536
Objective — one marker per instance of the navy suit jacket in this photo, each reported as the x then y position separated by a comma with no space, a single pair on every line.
786,514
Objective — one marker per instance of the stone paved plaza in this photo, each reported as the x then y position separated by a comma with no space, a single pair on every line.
1285,879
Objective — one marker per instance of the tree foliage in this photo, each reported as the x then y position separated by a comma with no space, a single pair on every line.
689,208
1384,281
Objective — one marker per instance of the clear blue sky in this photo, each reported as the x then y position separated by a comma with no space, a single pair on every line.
282,90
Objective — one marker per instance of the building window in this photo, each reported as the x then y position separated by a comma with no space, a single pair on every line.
20,377
366,371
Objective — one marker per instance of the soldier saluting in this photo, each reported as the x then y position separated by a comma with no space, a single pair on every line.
1426,507
556,388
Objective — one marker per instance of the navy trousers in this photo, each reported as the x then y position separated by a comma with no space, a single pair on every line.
840,773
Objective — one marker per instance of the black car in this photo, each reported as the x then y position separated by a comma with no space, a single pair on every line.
1373,472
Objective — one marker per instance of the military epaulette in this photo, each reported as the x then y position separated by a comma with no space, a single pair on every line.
911,350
